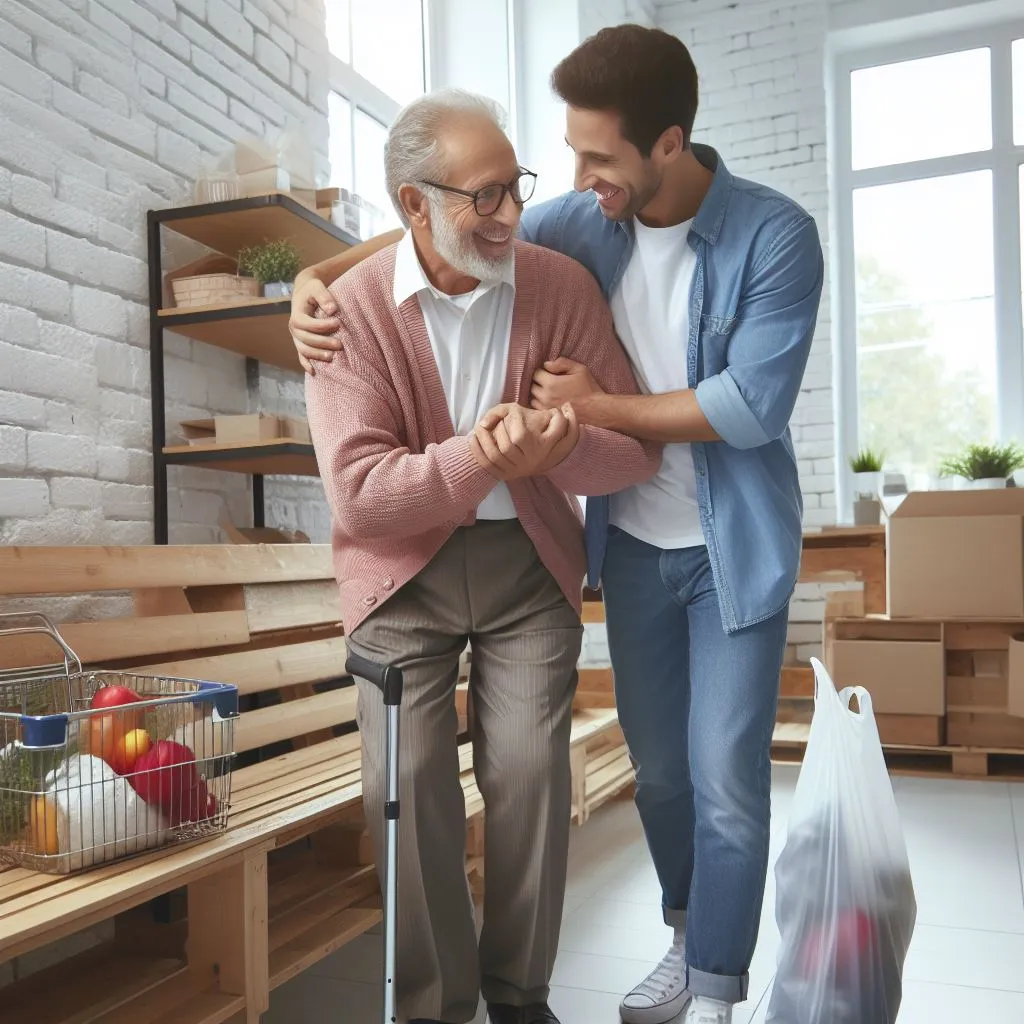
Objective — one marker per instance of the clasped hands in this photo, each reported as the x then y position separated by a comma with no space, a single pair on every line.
512,441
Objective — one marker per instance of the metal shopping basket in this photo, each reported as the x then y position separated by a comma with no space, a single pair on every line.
86,782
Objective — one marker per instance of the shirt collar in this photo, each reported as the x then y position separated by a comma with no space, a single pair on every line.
410,278
707,222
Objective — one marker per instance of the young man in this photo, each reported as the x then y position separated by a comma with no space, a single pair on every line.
714,284
454,521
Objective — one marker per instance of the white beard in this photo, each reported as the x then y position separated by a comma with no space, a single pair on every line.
458,252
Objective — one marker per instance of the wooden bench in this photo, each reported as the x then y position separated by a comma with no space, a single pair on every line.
204,932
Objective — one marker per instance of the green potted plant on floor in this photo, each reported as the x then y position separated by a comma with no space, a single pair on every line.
273,264
985,466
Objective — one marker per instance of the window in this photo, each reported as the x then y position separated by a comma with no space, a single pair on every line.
378,65
930,186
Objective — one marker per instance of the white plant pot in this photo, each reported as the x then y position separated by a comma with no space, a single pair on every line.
867,484
277,289
991,484
867,512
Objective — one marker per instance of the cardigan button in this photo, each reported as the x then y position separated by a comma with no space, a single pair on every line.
389,584
371,600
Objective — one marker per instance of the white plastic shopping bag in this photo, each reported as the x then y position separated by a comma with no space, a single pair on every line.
845,903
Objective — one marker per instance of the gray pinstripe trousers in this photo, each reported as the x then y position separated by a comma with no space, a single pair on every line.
487,585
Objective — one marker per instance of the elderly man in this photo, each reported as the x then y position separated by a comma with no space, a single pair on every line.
455,521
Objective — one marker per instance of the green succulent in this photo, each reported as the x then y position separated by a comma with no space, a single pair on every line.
867,461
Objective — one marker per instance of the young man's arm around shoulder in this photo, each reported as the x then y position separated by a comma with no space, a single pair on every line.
750,402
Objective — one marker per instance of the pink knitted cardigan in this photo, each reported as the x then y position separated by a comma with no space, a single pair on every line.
397,478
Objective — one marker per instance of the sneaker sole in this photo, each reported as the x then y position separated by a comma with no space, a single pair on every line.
663,1013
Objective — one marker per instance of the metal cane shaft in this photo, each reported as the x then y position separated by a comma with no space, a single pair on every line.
391,868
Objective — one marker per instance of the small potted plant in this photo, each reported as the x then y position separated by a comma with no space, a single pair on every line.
273,264
985,466
867,473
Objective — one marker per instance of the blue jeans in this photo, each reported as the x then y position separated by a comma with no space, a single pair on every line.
697,706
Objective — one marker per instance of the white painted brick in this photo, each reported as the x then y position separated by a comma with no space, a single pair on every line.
245,118
300,81
24,498
230,25
55,63
13,39
195,108
177,153
171,39
179,122
124,465
75,492
136,15
61,453
271,57
21,77
123,366
99,312
110,24
33,290
255,16
13,447
228,80
36,200
805,652
175,70
6,178
21,410
151,80
137,135
284,39
67,342
126,501
164,8
105,95
818,483
21,240
820,517
197,8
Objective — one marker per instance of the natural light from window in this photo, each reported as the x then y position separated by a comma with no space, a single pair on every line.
920,109
382,40
926,169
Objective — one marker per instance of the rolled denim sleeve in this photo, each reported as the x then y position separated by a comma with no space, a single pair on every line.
750,402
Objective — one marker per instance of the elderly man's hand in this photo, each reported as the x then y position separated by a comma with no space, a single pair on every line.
512,441
312,334
560,381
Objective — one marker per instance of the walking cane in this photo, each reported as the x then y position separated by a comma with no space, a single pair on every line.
388,680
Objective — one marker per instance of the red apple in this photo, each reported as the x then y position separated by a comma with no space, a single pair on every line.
116,697
164,776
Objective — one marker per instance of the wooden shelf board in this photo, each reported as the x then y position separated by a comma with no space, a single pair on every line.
233,225
279,457
257,329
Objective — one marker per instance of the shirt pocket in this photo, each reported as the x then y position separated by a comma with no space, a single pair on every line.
715,332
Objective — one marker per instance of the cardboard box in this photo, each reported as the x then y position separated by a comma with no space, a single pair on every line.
904,677
957,554
911,730
253,427
270,179
1015,676
985,730
199,432
295,429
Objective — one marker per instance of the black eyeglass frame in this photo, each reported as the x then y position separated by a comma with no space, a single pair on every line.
504,189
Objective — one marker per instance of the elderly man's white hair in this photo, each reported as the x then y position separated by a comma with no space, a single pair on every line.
413,152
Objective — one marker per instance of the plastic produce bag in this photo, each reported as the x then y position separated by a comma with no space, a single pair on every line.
845,902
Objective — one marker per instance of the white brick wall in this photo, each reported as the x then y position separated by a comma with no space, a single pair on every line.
107,108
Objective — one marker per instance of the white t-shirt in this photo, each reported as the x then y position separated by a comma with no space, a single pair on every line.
469,335
651,308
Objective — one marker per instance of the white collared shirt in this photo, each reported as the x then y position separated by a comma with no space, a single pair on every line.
469,335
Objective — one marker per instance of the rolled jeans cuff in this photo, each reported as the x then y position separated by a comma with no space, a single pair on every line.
723,987
674,918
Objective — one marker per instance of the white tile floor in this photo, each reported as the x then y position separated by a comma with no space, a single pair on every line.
966,963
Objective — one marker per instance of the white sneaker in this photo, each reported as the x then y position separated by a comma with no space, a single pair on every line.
708,1011
662,995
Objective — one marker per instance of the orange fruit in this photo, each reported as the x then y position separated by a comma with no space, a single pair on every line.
128,749
43,825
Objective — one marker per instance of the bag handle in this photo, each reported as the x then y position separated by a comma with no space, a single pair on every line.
840,699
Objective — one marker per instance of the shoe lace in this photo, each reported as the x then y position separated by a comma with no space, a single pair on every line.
664,978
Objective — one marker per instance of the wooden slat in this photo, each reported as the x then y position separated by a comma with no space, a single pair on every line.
266,669
117,639
73,570
283,721
274,606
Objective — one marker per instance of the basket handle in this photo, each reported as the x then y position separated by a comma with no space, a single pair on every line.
47,628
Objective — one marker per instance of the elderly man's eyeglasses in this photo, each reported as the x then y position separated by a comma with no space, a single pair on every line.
488,200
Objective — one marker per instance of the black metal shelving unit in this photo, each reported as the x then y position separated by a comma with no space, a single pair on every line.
257,330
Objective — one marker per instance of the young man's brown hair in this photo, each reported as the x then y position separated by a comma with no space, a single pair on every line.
645,75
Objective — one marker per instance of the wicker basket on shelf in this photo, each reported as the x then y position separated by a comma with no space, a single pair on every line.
214,289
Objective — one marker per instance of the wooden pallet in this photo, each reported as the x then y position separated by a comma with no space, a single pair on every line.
1004,765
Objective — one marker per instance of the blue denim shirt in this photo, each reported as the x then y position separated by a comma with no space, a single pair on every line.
753,307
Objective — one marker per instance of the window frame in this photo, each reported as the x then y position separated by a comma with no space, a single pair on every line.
363,95
1004,160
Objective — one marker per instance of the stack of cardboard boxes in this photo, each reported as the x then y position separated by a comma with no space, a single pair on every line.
945,666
